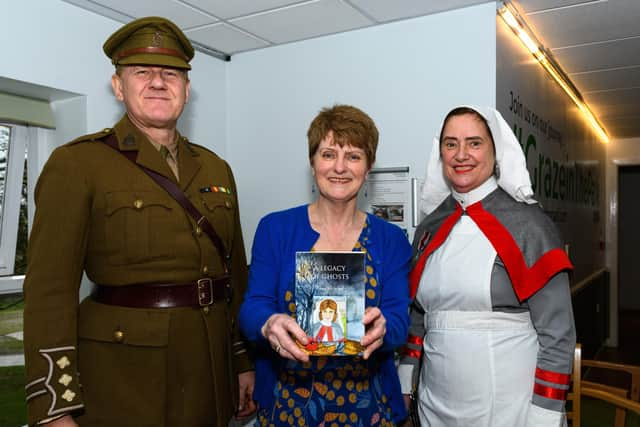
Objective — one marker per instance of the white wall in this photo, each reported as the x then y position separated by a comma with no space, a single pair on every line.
405,75
255,110
57,45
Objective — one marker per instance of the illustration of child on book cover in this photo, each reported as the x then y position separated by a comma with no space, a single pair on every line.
330,303
331,320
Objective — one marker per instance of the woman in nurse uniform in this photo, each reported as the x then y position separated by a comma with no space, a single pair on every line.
492,334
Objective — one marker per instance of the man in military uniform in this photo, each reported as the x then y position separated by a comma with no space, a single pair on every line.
156,344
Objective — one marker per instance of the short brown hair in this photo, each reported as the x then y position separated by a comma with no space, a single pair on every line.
328,303
350,126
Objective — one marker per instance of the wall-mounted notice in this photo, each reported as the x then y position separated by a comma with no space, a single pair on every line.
388,196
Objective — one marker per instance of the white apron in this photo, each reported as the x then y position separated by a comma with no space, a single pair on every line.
478,365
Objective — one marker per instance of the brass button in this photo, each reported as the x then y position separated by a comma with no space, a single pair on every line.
138,204
198,231
118,336
227,204
205,269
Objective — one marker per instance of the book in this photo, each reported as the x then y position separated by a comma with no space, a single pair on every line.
330,301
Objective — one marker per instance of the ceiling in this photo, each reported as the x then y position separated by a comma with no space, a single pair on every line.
597,42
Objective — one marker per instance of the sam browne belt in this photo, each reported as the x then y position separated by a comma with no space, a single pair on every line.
201,293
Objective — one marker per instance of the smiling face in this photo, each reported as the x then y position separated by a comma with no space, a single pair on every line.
328,314
468,155
339,171
154,96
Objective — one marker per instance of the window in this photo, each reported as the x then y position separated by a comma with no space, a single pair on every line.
13,142
5,136
21,148
13,238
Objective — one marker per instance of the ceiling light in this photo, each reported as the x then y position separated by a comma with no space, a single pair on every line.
520,28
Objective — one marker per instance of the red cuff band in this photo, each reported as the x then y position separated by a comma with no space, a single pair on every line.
415,340
416,354
550,392
553,377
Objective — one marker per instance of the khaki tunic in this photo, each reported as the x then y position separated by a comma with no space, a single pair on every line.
99,213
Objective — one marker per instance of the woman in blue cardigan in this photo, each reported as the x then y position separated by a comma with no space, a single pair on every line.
293,388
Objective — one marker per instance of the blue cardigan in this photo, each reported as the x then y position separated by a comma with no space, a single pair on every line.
278,237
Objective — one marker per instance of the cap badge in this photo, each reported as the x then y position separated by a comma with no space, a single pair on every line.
157,39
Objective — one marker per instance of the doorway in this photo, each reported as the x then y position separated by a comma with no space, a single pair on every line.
628,261
628,238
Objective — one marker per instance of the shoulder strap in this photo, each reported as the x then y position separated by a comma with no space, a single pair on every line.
175,192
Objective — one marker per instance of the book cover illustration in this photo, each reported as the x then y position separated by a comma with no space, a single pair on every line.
330,301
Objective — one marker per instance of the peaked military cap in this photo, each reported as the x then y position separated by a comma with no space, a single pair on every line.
150,41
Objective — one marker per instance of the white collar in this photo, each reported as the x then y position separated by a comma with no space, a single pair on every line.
467,199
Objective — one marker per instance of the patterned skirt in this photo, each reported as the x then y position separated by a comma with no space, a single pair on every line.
328,392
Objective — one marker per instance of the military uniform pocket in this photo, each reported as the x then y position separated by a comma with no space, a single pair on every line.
122,359
220,210
123,325
137,226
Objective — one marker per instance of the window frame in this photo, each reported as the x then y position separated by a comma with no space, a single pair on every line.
23,139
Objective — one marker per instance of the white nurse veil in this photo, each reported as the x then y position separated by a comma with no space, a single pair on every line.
514,176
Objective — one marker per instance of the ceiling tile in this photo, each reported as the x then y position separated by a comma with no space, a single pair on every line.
628,77
598,56
615,102
225,9
100,10
627,126
533,6
587,23
184,16
225,38
385,10
303,21
624,119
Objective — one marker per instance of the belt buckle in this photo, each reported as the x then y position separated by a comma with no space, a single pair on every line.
205,292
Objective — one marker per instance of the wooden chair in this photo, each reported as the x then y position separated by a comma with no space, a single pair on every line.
622,399
621,404
634,373
573,397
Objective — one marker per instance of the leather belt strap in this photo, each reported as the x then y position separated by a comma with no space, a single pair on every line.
201,293
175,192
